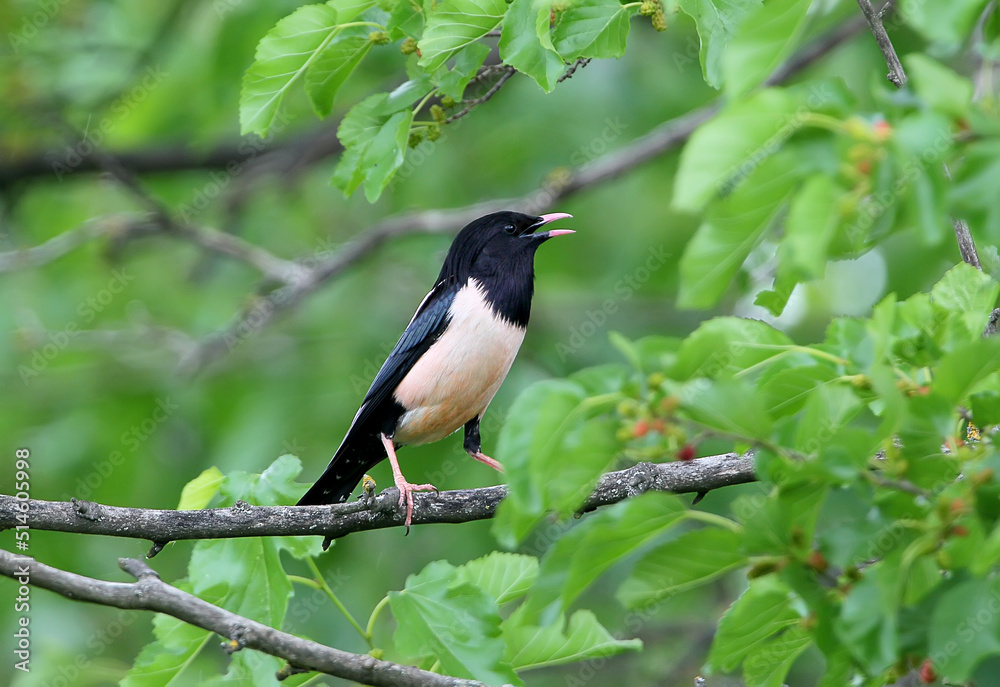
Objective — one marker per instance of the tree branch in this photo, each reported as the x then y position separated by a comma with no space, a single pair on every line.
896,74
559,185
150,593
338,520
123,226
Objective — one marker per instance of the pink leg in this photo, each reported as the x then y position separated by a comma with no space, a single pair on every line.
405,488
486,460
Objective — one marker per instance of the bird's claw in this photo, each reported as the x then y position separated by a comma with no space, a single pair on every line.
406,490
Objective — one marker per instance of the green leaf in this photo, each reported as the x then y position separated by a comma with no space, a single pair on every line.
504,576
784,522
530,646
828,409
282,57
197,493
960,371
590,548
694,558
729,406
454,25
731,146
965,627
453,82
765,38
761,612
592,28
785,391
374,134
174,645
948,23
985,408
733,227
334,63
526,43
810,226
717,21
455,622
868,624
554,450
724,346
968,293
940,87
769,663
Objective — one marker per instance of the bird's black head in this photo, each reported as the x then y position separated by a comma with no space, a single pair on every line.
498,250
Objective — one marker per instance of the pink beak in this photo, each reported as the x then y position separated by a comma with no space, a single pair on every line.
552,217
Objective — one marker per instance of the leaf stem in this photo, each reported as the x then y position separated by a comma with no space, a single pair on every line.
375,614
321,584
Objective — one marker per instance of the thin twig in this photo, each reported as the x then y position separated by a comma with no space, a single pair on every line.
150,593
338,520
580,63
505,75
896,74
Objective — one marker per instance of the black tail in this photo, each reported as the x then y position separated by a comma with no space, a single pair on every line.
356,456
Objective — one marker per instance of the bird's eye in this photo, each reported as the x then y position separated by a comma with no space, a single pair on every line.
510,228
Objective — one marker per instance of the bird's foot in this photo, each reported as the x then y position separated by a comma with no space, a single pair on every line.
406,490
486,460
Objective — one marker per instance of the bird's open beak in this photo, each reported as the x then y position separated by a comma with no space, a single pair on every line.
552,217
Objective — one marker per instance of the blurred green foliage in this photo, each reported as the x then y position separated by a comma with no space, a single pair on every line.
816,199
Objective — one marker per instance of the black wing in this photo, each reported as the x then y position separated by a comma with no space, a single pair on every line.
361,448
426,327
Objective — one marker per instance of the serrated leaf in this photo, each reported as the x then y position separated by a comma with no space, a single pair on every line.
968,294
455,24
762,611
455,622
592,28
693,559
765,38
333,64
375,134
590,548
504,576
731,145
197,493
530,646
283,56
526,43
733,227
555,450
717,21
